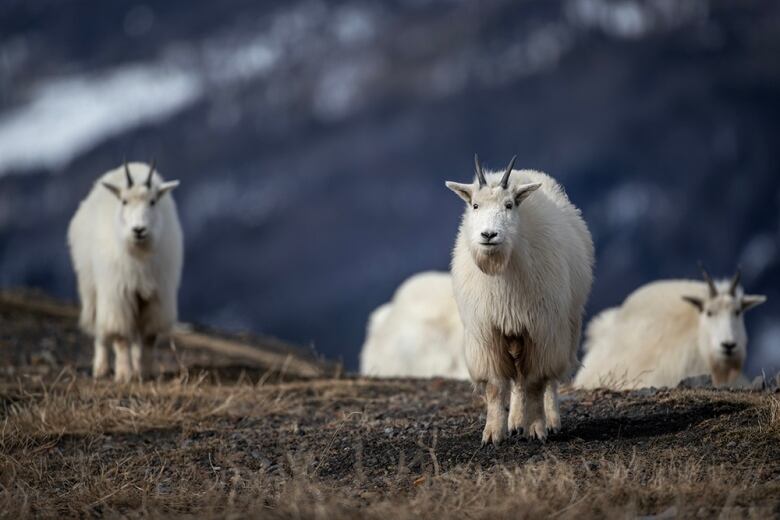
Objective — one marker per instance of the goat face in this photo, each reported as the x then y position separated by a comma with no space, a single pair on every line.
491,217
138,217
722,335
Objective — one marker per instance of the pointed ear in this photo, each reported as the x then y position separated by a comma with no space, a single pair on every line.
463,191
696,302
165,187
113,189
752,300
524,190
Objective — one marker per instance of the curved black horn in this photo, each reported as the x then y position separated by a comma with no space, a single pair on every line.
479,172
149,177
505,178
708,279
735,282
128,176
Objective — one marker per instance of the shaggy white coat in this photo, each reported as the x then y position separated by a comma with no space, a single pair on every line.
523,323
656,338
417,334
128,297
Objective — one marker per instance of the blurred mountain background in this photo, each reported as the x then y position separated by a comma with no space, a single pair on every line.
313,140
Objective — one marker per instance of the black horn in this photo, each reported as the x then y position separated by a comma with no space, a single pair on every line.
708,279
128,176
149,177
735,282
479,172
505,178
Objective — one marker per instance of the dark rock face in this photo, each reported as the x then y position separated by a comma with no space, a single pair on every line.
313,139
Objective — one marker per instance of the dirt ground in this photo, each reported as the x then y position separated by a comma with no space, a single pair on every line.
253,440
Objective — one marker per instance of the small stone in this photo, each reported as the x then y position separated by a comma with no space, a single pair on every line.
645,392
702,381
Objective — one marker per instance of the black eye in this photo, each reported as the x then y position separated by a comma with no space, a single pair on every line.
475,206
508,205
710,314
124,203
737,312
151,203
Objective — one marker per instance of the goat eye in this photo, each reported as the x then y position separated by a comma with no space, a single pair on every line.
124,203
475,206
508,205
151,202
710,314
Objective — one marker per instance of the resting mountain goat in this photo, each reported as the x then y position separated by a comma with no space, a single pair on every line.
666,331
522,269
417,334
126,245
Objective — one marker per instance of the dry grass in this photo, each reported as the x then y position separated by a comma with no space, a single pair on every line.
72,447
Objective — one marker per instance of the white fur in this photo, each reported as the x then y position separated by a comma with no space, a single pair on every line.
658,338
417,334
522,296
127,286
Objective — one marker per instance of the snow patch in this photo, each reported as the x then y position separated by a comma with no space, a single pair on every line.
66,116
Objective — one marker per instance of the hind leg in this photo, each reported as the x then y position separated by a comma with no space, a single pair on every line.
517,406
140,356
552,410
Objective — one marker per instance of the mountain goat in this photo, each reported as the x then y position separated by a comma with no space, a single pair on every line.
418,334
522,270
126,246
666,331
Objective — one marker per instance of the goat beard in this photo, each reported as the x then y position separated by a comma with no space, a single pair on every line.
725,371
491,261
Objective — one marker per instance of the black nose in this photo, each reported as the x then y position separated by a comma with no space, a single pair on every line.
489,235
139,231
728,346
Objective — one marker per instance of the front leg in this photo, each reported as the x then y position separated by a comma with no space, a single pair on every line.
100,365
496,397
552,411
535,426
123,367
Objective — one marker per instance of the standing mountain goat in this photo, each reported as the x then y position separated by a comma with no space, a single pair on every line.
418,334
522,269
126,246
666,331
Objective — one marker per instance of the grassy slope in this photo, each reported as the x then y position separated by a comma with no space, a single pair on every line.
191,445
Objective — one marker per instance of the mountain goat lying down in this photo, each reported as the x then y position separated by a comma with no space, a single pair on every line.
417,334
126,245
522,269
666,331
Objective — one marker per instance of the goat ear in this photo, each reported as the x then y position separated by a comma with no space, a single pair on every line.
463,191
165,187
752,300
696,302
524,190
113,189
